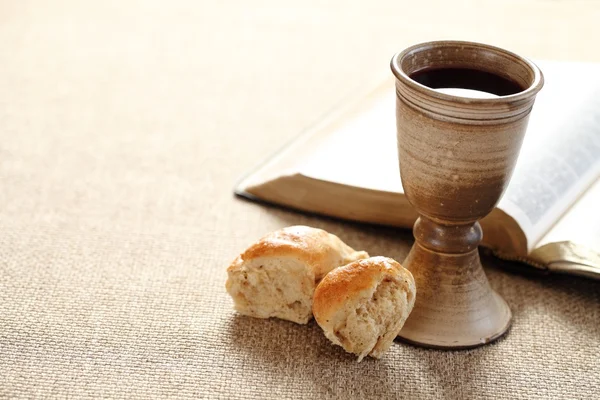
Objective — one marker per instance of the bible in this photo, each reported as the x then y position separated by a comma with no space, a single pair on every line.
346,166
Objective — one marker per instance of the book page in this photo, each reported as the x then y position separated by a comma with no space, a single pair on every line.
559,160
581,224
560,157
362,151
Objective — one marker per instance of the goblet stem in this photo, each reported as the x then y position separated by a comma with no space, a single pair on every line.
455,306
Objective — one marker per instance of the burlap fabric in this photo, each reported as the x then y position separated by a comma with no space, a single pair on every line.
123,127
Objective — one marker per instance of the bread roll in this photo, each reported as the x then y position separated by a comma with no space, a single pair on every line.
363,305
277,276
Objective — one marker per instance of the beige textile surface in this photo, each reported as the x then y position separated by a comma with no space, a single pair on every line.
123,127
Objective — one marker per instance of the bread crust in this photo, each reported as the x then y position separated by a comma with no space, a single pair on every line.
343,295
350,281
277,275
318,248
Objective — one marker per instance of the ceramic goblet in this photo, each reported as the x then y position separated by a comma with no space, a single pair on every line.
457,154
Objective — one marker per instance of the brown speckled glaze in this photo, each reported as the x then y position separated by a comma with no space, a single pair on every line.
456,157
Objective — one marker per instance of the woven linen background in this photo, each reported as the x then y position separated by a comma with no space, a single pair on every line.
123,128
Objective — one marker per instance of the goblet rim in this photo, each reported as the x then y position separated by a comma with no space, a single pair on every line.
528,93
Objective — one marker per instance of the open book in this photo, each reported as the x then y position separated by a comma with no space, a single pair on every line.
549,217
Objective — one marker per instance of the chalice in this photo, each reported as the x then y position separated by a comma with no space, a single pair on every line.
457,149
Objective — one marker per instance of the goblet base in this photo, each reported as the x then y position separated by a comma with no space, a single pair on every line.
455,307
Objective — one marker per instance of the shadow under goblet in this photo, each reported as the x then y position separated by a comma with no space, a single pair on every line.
456,156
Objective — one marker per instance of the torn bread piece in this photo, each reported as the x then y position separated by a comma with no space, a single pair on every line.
277,276
363,305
